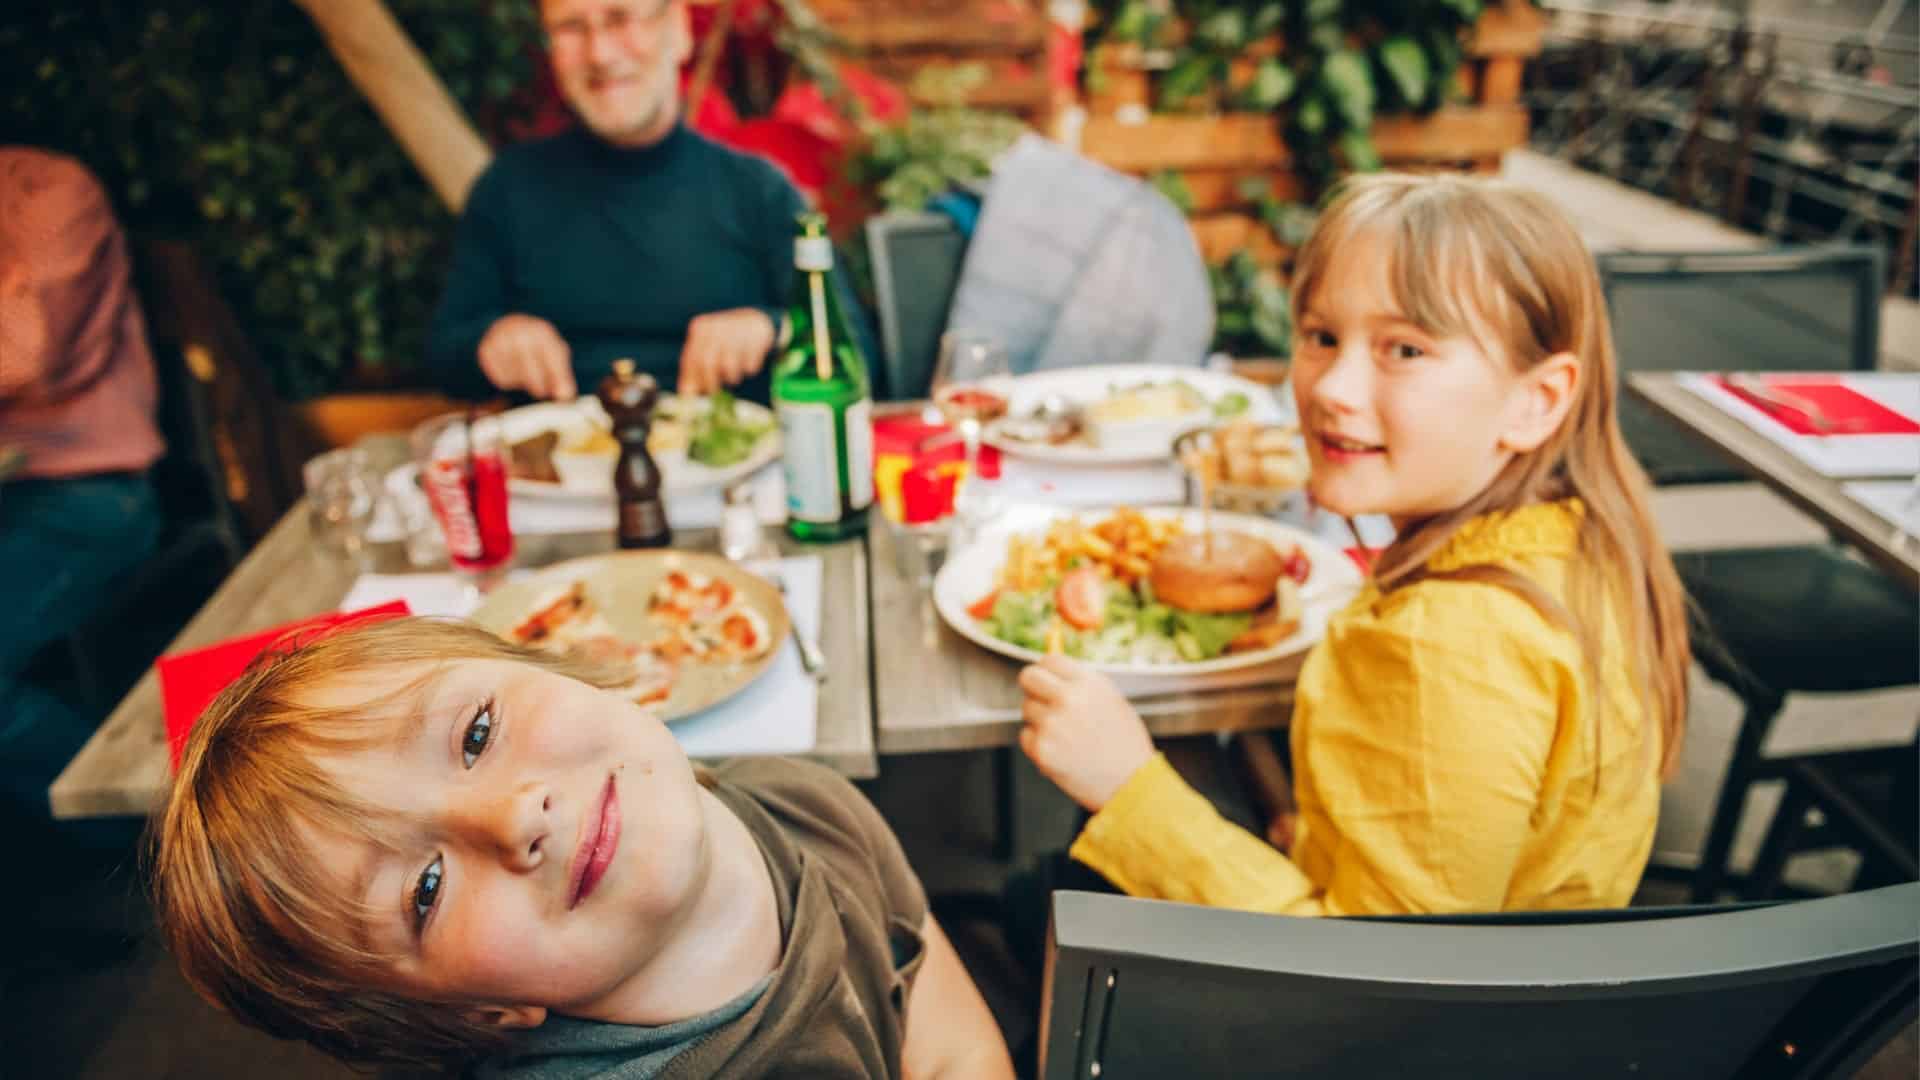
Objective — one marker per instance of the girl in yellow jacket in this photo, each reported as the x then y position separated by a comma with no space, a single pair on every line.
1485,726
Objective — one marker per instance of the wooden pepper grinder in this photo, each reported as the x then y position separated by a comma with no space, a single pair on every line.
629,397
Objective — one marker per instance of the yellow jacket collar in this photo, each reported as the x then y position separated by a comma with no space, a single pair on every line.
1540,529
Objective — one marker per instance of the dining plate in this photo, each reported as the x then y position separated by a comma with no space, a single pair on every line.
971,572
678,472
621,584
1084,386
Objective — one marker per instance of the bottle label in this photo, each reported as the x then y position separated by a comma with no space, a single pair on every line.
812,253
860,453
811,462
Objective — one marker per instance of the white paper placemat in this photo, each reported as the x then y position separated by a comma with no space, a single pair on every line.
1896,500
777,714
1834,455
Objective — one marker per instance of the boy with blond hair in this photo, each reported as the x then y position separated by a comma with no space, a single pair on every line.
413,843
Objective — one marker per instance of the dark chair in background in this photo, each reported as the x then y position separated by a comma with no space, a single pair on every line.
1778,619
1793,309
916,267
1143,988
1861,800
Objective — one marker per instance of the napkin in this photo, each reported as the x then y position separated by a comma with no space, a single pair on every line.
1815,405
189,681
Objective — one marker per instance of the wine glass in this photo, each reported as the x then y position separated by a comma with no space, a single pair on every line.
969,389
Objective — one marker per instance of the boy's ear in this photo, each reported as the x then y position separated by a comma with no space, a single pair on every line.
509,1016
1546,394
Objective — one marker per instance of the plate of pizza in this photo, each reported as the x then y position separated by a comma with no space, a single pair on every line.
689,630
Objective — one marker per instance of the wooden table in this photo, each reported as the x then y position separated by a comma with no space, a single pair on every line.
935,690
1814,492
122,770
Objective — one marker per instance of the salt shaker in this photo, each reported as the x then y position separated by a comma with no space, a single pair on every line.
741,538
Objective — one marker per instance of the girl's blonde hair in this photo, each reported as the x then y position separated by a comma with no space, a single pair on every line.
1499,264
259,929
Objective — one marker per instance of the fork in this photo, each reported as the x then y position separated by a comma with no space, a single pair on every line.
811,658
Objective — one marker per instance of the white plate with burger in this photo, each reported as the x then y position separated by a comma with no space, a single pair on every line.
1120,414
1143,593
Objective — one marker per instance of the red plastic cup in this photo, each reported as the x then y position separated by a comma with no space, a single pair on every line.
463,470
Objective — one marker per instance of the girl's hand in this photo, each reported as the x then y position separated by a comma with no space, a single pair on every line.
1081,732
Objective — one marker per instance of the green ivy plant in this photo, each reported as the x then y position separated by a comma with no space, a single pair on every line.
1251,312
233,127
936,148
1341,64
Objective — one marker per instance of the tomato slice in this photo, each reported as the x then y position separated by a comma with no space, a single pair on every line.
1082,598
983,607
1298,567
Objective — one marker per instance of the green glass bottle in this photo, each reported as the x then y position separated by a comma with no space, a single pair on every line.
824,401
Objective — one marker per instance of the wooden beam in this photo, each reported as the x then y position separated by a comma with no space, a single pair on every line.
1251,141
1513,28
402,88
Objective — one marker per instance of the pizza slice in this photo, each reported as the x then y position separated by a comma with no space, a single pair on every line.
552,615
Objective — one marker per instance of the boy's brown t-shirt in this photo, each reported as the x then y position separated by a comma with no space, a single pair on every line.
851,911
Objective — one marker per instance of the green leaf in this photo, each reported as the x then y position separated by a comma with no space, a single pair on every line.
1350,85
1357,147
1190,76
1224,30
1272,84
1406,63
1312,116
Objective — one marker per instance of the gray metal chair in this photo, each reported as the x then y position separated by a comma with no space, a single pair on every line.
1143,988
1779,309
916,261
1781,619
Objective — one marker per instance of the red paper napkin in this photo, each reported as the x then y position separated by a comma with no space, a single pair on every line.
189,681
1812,405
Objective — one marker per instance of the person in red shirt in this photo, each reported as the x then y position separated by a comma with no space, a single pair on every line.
77,434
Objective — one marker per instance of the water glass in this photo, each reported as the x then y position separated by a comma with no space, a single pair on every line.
342,494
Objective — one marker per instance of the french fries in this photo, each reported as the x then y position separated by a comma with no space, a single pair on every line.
1123,545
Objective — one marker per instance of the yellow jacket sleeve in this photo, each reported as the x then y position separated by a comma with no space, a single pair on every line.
1161,839
1425,734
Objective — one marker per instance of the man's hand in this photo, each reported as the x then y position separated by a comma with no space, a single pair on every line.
1081,732
525,352
724,348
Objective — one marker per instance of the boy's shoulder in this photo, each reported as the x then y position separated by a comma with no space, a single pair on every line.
827,817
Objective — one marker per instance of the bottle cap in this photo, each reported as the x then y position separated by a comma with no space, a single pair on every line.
624,367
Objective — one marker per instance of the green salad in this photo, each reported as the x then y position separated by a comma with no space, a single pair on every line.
722,435
1132,627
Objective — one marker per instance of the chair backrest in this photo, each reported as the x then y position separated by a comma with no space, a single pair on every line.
1143,988
218,411
916,261
1783,309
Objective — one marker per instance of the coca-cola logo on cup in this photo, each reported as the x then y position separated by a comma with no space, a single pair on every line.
447,489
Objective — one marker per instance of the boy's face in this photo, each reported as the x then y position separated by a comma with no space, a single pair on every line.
550,837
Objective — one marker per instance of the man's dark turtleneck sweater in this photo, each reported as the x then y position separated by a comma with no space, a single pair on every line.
619,249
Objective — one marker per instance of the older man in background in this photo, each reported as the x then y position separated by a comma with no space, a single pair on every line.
630,236
77,405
